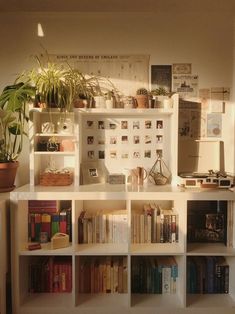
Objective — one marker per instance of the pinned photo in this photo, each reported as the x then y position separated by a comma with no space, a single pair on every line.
101,154
90,140
136,139
89,124
159,138
93,172
148,124
113,154
90,154
113,140
147,153
101,125
136,154
136,125
159,124
124,155
124,124
112,126
147,139
124,139
159,152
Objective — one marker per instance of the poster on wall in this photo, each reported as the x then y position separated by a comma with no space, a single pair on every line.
126,72
182,68
161,77
185,85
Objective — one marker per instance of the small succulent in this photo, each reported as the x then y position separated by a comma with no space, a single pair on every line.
160,91
142,91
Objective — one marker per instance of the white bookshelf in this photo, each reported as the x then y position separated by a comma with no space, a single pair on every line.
25,302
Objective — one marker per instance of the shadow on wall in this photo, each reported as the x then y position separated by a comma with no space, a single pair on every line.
22,176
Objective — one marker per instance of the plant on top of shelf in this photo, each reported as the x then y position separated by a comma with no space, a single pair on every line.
52,90
13,114
142,97
161,91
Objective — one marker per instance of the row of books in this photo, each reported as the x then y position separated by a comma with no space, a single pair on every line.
42,226
154,225
103,227
208,274
50,274
103,274
156,275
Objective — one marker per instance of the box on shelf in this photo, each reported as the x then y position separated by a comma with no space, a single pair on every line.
56,179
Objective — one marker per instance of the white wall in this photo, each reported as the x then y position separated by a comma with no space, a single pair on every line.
204,39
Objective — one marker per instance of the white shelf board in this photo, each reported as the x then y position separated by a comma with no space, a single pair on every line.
106,300
156,249
155,300
44,300
102,249
54,153
126,112
54,134
45,250
209,300
209,249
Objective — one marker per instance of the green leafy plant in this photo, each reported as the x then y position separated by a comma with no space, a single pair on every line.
13,117
160,91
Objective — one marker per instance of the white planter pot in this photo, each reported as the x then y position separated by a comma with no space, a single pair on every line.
99,102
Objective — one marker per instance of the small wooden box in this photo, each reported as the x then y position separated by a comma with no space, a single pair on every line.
56,179
59,240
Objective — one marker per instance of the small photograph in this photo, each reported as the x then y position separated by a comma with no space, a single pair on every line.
90,154
89,124
159,152
113,140
101,140
136,139
124,124
159,124
90,140
101,154
112,126
148,124
147,153
93,172
159,138
124,139
147,139
101,125
136,125
124,155
136,154
113,154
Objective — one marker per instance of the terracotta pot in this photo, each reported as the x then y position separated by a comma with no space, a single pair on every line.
142,101
7,176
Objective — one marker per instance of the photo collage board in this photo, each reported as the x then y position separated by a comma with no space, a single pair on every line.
124,142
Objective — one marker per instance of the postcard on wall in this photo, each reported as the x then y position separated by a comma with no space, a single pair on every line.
182,68
214,124
185,85
161,76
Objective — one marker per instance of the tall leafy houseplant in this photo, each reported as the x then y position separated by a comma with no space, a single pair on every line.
52,89
13,118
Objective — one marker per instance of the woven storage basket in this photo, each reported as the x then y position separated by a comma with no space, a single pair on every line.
56,179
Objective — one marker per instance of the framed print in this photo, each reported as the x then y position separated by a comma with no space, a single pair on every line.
93,172
182,68
161,76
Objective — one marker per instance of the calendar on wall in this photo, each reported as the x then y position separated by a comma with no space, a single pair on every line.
126,72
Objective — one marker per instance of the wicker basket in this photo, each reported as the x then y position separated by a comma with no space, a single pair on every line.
56,179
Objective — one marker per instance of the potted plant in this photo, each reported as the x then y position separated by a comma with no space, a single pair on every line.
13,118
52,89
162,98
142,98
